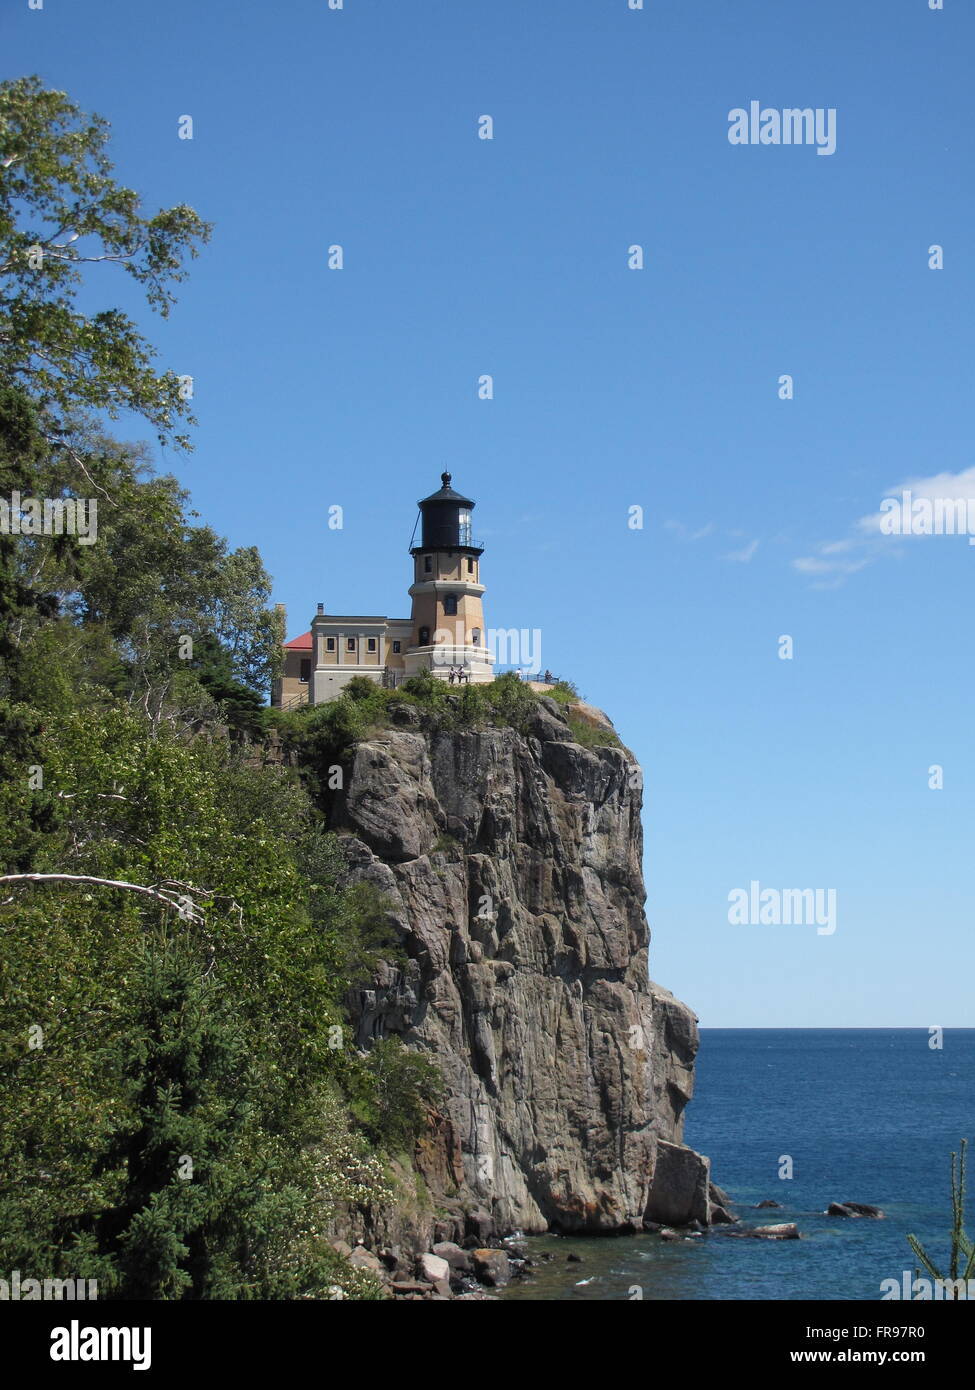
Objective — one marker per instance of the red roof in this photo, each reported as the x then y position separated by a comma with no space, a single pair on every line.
302,643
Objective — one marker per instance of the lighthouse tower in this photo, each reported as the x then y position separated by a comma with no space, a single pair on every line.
448,618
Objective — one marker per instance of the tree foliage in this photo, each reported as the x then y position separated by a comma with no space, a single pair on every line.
61,210
182,1111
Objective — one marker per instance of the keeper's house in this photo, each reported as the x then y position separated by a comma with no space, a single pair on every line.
444,631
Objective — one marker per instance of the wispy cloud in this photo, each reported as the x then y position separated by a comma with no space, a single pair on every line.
744,555
684,533
688,534
832,562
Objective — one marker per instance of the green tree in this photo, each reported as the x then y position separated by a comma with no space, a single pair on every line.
172,1226
405,1085
62,210
138,1053
22,601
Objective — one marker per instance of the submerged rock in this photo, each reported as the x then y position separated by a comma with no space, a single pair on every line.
788,1230
854,1209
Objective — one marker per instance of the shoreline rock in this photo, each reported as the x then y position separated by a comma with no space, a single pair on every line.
854,1210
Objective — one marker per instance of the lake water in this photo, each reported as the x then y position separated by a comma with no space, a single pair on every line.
866,1115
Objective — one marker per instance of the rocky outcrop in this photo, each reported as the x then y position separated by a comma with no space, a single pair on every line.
854,1209
511,864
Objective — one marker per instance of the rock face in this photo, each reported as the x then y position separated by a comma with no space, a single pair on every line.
512,865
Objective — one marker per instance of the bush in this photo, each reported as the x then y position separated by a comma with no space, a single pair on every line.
403,1086
565,692
592,735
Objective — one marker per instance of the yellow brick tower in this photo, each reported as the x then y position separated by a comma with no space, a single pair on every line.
448,617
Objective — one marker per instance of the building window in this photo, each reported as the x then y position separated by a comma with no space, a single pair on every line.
424,637
450,606
330,644
476,636
464,527
350,644
470,564
428,564
305,674
396,648
371,644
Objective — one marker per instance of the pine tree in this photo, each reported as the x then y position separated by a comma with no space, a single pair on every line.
188,1088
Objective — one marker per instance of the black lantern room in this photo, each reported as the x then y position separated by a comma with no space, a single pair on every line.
446,521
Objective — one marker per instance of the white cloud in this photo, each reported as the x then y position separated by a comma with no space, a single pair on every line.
812,564
745,554
938,488
832,562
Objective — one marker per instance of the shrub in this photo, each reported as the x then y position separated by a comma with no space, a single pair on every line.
592,735
403,1086
565,692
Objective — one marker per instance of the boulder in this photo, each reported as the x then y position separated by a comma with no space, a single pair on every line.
721,1216
432,1268
459,1260
410,1288
788,1230
362,1258
768,1202
679,1189
491,1267
863,1209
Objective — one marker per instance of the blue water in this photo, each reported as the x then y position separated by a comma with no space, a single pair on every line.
866,1115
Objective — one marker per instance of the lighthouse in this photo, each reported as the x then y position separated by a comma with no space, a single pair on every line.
445,631
448,615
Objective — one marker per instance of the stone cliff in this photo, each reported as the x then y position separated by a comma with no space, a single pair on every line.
512,866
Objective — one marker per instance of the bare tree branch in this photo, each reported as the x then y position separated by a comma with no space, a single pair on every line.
182,903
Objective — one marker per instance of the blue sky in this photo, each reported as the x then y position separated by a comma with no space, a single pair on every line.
613,388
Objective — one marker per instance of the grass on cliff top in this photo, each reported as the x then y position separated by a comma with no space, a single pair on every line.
365,709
